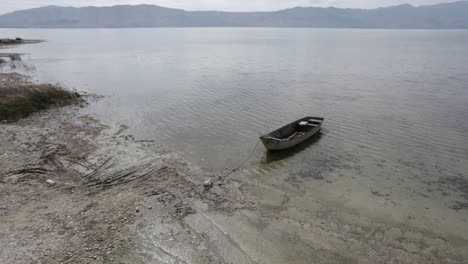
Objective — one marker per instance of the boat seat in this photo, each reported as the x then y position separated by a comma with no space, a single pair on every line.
277,139
315,120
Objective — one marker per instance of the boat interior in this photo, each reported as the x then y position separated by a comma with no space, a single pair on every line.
295,129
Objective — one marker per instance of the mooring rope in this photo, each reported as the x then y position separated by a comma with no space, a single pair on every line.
243,163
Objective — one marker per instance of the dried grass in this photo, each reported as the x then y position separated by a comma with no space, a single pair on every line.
18,101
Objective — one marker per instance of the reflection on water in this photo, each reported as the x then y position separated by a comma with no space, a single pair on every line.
272,156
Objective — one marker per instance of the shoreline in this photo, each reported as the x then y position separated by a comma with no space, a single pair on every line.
10,58
80,197
74,189
18,41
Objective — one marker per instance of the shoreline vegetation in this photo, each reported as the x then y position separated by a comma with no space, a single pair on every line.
20,98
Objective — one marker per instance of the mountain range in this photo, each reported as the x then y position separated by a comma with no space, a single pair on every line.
441,16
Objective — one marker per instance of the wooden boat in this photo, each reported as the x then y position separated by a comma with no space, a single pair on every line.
292,134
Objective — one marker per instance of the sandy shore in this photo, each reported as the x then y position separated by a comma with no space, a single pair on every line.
75,190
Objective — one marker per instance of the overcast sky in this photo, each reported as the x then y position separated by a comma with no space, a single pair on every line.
224,5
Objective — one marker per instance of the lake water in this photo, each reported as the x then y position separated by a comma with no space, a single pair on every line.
395,104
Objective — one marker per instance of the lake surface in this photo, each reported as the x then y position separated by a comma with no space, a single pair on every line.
395,103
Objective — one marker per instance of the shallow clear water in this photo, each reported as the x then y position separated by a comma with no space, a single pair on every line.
395,101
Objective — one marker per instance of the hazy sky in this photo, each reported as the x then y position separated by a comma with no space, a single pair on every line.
225,5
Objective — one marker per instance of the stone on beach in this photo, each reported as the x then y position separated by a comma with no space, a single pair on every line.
51,182
208,183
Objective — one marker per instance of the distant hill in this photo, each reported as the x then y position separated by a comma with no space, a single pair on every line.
441,16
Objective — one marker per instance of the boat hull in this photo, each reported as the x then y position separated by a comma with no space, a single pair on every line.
271,141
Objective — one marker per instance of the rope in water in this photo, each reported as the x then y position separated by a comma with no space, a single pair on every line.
243,163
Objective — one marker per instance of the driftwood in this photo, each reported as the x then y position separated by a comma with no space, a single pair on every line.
33,170
87,166
89,175
126,177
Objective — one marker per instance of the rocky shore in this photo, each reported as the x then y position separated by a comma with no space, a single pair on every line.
71,189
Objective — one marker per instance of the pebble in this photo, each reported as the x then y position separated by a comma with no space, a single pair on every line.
208,183
50,182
